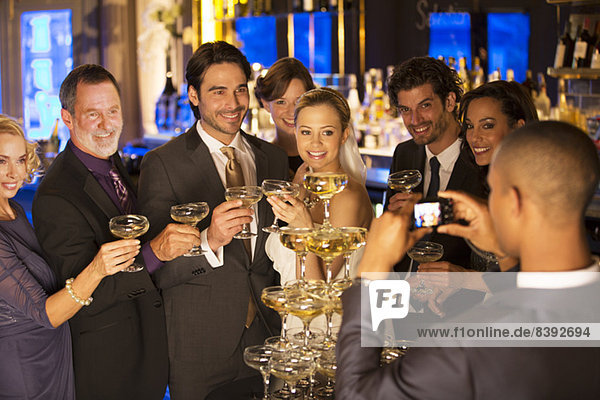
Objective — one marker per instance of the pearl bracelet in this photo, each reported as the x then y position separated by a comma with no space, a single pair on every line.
74,296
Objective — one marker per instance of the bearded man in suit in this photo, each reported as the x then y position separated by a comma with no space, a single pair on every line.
213,307
119,341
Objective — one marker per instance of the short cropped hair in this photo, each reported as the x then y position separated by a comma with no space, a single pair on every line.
205,56
32,161
274,84
555,163
88,74
419,71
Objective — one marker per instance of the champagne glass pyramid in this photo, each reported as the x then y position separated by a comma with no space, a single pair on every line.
325,185
274,297
356,238
278,188
405,181
128,227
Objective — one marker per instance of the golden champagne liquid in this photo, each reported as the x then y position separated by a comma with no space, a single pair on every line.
355,241
276,302
294,241
281,193
304,313
325,184
129,232
291,375
247,201
424,257
191,220
401,187
326,247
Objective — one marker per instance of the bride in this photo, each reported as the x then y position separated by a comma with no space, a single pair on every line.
326,144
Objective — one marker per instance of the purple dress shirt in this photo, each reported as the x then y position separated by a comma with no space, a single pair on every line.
100,169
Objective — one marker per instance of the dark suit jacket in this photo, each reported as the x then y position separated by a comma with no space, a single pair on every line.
119,341
206,307
465,177
488,373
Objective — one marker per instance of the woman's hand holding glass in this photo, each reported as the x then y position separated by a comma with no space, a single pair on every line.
291,210
115,256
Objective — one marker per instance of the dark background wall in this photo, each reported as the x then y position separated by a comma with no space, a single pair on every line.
398,30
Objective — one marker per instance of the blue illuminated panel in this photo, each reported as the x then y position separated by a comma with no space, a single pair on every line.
322,23
450,36
508,43
46,59
257,36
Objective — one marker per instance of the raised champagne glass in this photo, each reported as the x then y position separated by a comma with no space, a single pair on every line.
249,195
405,181
128,227
291,366
325,185
275,297
258,357
190,214
295,239
356,238
424,252
327,244
278,188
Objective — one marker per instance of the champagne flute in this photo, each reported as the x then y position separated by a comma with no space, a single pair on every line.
278,188
325,185
274,297
190,214
258,357
295,240
423,252
128,227
405,181
291,366
249,195
356,238
327,244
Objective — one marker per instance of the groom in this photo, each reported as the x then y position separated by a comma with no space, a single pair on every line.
212,302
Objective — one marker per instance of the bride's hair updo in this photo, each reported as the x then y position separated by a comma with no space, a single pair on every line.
327,96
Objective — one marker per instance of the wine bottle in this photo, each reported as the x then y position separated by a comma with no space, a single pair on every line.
54,141
564,49
166,107
463,74
592,45
584,39
308,5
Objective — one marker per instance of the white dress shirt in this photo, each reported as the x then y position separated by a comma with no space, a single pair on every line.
559,279
447,159
245,156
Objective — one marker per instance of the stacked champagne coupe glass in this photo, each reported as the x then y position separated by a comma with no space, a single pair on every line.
296,357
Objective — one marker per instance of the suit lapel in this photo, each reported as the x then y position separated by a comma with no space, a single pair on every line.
459,173
91,187
419,159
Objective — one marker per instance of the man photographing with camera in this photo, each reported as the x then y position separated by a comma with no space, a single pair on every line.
542,178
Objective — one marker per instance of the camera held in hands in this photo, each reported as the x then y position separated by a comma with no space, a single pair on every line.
433,212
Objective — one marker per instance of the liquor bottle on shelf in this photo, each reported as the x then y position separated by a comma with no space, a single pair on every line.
307,5
477,75
185,115
584,39
592,46
242,8
257,7
530,84
510,75
166,107
564,49
377,105
542,101
333,5
463,74
596,54
54,140
323,5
